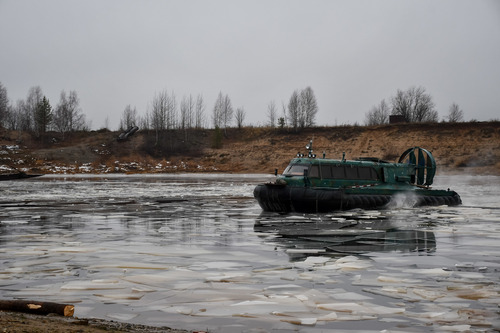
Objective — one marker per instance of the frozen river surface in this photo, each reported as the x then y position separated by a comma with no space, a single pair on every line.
196,252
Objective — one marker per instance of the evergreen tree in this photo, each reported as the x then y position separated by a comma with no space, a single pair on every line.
43,116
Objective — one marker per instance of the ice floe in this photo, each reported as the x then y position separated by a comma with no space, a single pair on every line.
124,249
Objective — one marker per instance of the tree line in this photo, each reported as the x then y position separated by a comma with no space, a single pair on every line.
413,105
163,114
35,114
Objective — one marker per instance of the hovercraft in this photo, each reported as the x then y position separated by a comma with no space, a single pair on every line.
319,185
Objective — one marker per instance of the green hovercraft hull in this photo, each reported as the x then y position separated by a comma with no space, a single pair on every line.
282,198
311,184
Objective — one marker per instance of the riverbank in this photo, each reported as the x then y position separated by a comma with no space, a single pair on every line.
15,322
469,148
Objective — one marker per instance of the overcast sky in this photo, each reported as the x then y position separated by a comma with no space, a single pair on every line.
351,53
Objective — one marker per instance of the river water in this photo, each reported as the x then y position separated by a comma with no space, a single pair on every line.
196,252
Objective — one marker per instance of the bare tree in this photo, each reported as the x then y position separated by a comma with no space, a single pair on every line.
217,112
187,112
10,120
159,113
415,105
271,113
106,123
227,112
34,97
282,121
4,104
302,108
223,112
164,111
15,115
424,107
171,111
293,109
308,107
455,114
240,117
24,116
378,114
144,121
200,112
68,116
401,105
129,118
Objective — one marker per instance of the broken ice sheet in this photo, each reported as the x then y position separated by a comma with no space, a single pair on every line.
317,260
428,271
34,292
397,279
189,267
93,285
74,249
27,252
214,295
305,251
257,307
428,294
122,316
173,251
301,321
223,264
361,308
351,265
120,297
396,293
347,295
483,292
164,279
181,309
283,287
14,222
82,311
229,277
455,328
435,312
128,265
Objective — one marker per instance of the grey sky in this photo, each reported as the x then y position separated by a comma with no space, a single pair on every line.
352,53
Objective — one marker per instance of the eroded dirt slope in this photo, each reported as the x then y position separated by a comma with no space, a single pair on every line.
461,147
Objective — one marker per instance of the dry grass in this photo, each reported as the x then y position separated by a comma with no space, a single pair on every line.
464,146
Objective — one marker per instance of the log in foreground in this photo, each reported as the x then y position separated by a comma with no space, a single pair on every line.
41,308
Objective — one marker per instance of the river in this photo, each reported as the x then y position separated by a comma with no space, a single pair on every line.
196,252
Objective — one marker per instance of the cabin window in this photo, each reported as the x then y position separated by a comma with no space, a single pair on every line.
295,170
348,172
351,172
326,172
338,172
314,171
366,173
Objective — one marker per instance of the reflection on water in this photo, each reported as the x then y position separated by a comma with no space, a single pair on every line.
355,232
196,252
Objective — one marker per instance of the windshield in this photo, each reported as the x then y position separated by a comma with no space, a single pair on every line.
295,170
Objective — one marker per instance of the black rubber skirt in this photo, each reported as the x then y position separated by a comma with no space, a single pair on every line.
283,199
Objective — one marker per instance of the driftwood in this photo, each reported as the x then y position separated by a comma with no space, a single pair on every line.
41,308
